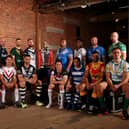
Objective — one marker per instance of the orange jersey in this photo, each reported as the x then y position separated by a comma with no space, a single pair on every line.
95,69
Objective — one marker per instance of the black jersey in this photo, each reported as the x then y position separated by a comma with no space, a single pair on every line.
28,72
59,76
3,55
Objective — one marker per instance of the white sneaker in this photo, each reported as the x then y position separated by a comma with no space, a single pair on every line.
48,106
61,107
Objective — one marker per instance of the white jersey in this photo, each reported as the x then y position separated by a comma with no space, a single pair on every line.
80,53
8,73
32,53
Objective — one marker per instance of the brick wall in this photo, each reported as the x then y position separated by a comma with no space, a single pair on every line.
16,20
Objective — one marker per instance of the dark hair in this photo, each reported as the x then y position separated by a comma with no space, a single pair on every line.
18,39
26,55
9,56
116,48
57,60
78,59
29,39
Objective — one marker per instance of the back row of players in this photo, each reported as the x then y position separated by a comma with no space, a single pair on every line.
24,62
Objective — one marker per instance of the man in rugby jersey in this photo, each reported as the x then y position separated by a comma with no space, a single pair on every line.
17,54
117,43
58,79
65,54
95,47
8,79
27,79
3,52
93,80
80,52
30,50
117,76
73,85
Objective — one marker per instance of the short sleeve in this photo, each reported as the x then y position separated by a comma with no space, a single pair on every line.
65,74
14,70
83,52
103,51
102,67
52,73
126,67
1,71
108,68
70,53
123,47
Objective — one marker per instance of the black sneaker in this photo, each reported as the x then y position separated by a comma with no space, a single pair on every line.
2,106
17,104
124,115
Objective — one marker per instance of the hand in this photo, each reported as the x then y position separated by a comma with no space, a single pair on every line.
113,88
68,70
116,86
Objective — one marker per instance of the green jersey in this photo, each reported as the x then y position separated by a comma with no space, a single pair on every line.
116,70
18,54
121,45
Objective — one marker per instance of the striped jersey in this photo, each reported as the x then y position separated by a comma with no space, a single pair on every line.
8,73
77,75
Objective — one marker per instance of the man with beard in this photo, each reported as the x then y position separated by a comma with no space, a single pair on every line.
30,50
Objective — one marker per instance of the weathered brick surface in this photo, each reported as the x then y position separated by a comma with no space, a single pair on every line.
17,20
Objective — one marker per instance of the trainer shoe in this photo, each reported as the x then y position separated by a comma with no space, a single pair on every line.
24,105
18,104
68,106
125,115
38,103
2,106
48,106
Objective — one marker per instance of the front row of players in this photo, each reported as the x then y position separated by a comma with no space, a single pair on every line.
26,77
92,80
71,87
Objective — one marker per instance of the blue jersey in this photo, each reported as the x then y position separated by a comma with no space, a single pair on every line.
99,49
64,55
77,75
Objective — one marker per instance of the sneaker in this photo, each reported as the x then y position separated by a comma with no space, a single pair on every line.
48,106
38,103
68,106
125,115
61,107
2,106
24,105
74,107
83,107
18,104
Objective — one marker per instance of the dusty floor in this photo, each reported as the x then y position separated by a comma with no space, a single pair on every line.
41,118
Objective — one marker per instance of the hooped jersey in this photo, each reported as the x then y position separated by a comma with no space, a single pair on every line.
27,72
77,75
8,73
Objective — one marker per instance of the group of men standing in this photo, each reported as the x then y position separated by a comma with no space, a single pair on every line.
76,73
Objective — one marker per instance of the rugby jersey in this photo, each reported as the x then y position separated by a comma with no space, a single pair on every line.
77,75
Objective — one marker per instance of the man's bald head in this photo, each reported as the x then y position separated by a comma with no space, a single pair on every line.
114,37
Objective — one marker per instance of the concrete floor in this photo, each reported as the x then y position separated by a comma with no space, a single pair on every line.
41,118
